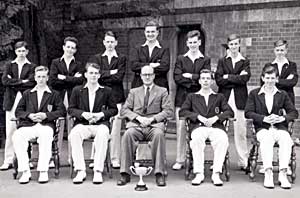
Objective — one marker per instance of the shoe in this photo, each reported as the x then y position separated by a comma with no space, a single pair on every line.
268,181
51,164
198,179
211,168
43,178
261,170
283,180
215,177
25,178
115,164
177,166
97,177
124,179
31,165
160,179
80,177
5,166
91,165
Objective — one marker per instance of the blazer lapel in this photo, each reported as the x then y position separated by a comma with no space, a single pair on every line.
238,65
154,53
98,99
45,99
229,65
262,100
33,101
211,101
85,98
145,51
153,94
24,70
284,70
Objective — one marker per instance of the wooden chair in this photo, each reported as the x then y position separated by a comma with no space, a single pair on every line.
55,151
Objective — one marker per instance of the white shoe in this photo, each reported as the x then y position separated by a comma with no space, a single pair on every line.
31,165
5,166
25,178
97,177
283,180
115,164
177,166
51,164
215,177
43,178
80,177
261,170
91,165
268,181
198,179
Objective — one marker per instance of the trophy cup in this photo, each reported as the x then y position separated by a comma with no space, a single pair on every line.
140,171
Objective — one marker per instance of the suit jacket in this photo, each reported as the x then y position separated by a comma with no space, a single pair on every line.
58,66
284,83
235,81
185,85
256,109
51,104
195,105
13,83
159,106
113,81
140,57
79,103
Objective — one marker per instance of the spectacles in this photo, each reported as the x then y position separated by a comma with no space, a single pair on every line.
147,75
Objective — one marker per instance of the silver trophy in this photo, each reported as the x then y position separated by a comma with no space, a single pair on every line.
140,171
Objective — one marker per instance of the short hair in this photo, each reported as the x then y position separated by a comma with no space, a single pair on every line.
94,65
72,39
147,66
41,68
193,33
207,71
280,42
110,33
20,44
232,37
270,70
152,23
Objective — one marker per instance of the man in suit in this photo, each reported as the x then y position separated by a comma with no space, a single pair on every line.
232,75
207,110
37,110
146,108
266,106
66,73
151,53
18,76
92,107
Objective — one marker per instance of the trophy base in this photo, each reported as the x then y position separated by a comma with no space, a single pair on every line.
141,187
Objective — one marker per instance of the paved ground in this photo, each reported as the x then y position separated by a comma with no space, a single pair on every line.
239,185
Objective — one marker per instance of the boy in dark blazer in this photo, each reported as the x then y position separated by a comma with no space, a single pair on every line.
271,110
37,110
206,111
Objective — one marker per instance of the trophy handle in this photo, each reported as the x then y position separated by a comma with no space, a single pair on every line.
149,169
132,170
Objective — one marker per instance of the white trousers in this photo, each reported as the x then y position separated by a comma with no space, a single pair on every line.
116,137
267,138
44,135
101,136
219,143
240,132
10,128
181,137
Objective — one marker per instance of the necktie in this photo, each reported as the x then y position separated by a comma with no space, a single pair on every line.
146,99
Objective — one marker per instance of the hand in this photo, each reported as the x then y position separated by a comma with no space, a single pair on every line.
41,115
278,119
77,75
187,75
8,76
114,71
154,65
61,77
225,76
269,119
98,116
243,73
34,117
25,81
290,77
202,119
144,122
86,115
211,121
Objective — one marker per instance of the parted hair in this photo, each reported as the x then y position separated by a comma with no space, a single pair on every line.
193,33
72,39
20,44
41,68
94,65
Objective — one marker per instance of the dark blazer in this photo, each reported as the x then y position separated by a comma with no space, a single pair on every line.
195,105
51,104
113,81
287,84
140,57
235,81
256,109
58,66
79,103
185,85
14,84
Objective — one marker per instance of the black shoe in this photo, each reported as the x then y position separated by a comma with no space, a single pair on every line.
125,178
160,180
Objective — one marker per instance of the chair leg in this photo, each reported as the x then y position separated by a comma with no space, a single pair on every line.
108,162
15,165
226,167
293,164
55,154
253,161
188,163
71,168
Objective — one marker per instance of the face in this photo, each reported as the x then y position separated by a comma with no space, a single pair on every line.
69,48
193,43
205,80
270,80
92,75
234,45
280,51
151,33
110,43
41,78
21,52
147,75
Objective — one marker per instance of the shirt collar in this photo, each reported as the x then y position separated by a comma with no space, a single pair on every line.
285,61
26,61
63,57
263,91
114,53
151,86
155,45
46,89
210,92
238,58
98,86
198,55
